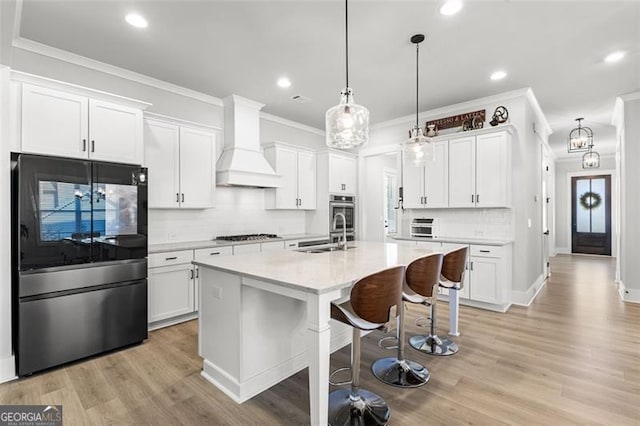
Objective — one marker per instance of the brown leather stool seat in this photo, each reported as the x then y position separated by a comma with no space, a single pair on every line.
398,371
451,277
368,308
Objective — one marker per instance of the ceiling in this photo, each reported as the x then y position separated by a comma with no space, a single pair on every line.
242,47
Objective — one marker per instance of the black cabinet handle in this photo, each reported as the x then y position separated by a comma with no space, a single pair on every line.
425,199
292,245
183,197
197,272
93,146
477,198
84,145
472,198
177,197
214,253
171,258
485,251
190,274
472,266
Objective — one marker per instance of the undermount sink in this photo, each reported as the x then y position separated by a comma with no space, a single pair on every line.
323,249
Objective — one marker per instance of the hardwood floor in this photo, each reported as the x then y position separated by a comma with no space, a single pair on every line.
572,357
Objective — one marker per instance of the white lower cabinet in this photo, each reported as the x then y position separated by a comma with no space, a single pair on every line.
170,291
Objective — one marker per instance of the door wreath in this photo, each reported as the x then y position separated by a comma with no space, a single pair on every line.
590,200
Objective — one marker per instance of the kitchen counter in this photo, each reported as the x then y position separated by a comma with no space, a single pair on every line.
457,240
264,317
194,245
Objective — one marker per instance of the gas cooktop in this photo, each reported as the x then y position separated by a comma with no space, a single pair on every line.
246,237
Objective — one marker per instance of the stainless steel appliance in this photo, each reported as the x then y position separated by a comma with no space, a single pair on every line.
345,205
424,227
79,248
247,237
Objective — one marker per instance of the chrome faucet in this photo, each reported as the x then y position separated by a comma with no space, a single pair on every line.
342,244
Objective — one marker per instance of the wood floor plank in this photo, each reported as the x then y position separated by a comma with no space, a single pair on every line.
572,357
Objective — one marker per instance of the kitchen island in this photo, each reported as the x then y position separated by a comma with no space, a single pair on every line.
264,317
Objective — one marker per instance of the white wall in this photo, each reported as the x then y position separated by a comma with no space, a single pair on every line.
563,199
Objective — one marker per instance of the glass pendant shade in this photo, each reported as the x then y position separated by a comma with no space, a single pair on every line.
591,160
418,149
347,124
580,138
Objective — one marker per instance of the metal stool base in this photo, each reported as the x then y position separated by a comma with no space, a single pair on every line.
369,409
403,374
434,345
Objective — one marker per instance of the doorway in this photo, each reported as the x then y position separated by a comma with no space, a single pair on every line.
591,214
390,192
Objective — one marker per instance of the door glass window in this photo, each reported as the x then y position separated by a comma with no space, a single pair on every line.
590,205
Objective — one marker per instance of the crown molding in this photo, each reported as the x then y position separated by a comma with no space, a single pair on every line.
633,96
179,121
290,123
454,108
533,101
63,55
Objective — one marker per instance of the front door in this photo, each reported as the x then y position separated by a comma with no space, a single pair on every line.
591,214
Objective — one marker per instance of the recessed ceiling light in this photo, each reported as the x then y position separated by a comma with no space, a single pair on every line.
498,75
614,57
284,82
451,7
136,20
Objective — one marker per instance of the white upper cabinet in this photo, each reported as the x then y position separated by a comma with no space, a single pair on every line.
297,167
428,186
343,172
181,165
197,174
115,132
56,122
480,171
462,172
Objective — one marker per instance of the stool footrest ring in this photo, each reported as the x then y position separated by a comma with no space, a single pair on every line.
340,370
381,342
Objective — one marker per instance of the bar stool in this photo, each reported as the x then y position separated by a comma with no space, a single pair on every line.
453,267
398,371
371,300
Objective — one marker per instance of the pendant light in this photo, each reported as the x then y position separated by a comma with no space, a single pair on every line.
591,159
347,124
418,149
580,139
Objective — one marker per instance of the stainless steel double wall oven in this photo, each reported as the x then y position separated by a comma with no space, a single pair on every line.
346,205
79,267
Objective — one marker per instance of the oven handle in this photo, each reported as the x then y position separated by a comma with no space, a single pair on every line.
342,205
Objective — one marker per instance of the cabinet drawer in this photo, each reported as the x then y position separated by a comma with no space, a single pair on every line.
486,251
291,244
246,248
208,253
170,258
272,246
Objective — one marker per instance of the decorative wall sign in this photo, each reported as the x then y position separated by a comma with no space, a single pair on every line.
457,120
500,115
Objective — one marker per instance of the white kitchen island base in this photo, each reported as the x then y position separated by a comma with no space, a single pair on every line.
264,317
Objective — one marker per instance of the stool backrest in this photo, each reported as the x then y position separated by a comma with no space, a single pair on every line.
453,264
373,296
424,273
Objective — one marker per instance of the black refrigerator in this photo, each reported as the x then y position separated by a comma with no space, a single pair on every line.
79,267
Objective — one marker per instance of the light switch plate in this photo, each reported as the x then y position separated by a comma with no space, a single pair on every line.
217,292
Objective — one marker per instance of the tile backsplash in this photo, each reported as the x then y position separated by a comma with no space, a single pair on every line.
236,210
466,223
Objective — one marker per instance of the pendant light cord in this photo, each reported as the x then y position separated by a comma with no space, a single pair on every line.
346,38
417,81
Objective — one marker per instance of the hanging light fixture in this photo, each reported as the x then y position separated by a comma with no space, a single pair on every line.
418,149
580,139
347,124
591,159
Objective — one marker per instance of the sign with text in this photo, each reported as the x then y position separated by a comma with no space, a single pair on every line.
31,415
457,120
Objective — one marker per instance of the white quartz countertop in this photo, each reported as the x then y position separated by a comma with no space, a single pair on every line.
194,245
318,272
459,240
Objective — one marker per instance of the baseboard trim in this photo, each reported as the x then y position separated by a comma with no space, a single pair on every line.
172,321
563,250
631,295
7,369
525,298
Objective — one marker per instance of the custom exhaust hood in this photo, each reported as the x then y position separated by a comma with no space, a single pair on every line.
242,162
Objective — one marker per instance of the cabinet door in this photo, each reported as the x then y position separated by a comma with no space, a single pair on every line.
307,180
171,292
197,174
492,166
287,167
162,158
413,187
484,279
342,174
54,122
462,172
350,174
436,177
115,132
